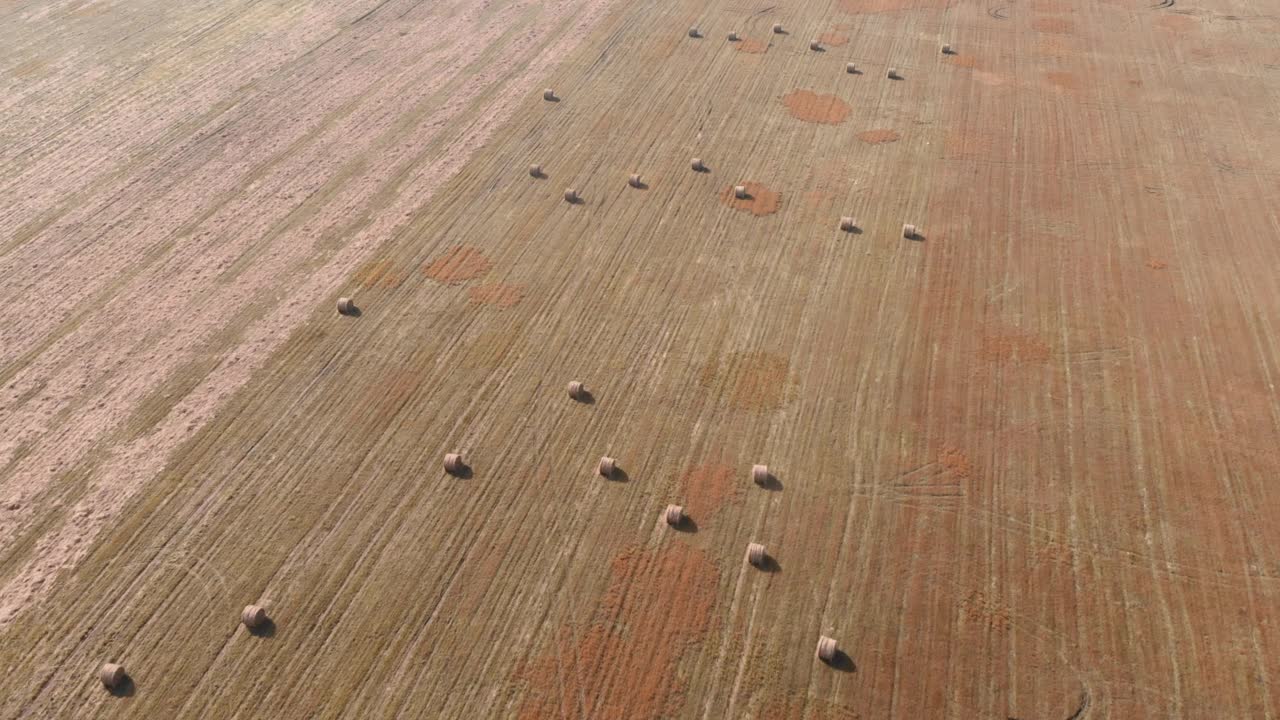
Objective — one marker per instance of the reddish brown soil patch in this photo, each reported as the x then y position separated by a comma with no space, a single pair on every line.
380,273
1054,47
1059,26
1052,6
625,664
815,107
706,488
1178,23
1014,348
979,608
755,47
1157,264
861,7
959,143
500,294
834,39
964,61
760,200
879,136
459,264
1064,80
956,462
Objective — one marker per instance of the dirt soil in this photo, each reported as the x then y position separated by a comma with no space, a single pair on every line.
1023,463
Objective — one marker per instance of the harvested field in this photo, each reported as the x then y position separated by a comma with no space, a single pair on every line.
1021,465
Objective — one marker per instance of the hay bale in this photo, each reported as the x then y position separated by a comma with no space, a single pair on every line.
576,390
850,68
253,616
760,474
674,515
740,192
346,306
697,165
892,74
734,37
777,29
826,649
607,466
694,32
848,224
815,45
548,94
570,195
112,675
946,49
755,554
908,231
535,170
634,180
453,463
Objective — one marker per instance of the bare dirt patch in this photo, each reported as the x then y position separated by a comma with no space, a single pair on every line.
1178,23
760,200
1157,264
1014,348
834,39
460,264
1053,25
625,664
816,107
707,487
1063,80
960,143
754,47
1055,47
503,295
963,61
879,136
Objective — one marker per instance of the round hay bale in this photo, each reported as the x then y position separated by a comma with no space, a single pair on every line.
112,675
535,170
576,389
570,195
908,231
815,45
777,29
733,37
755,554
740,192
674,515
453,463
346,306
892,74
850,68
694,32
634,180
607,466
848,224
946,49
760,474
697,165
826,649
548,94
253,616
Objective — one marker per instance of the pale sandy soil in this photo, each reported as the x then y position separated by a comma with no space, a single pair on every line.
177,202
